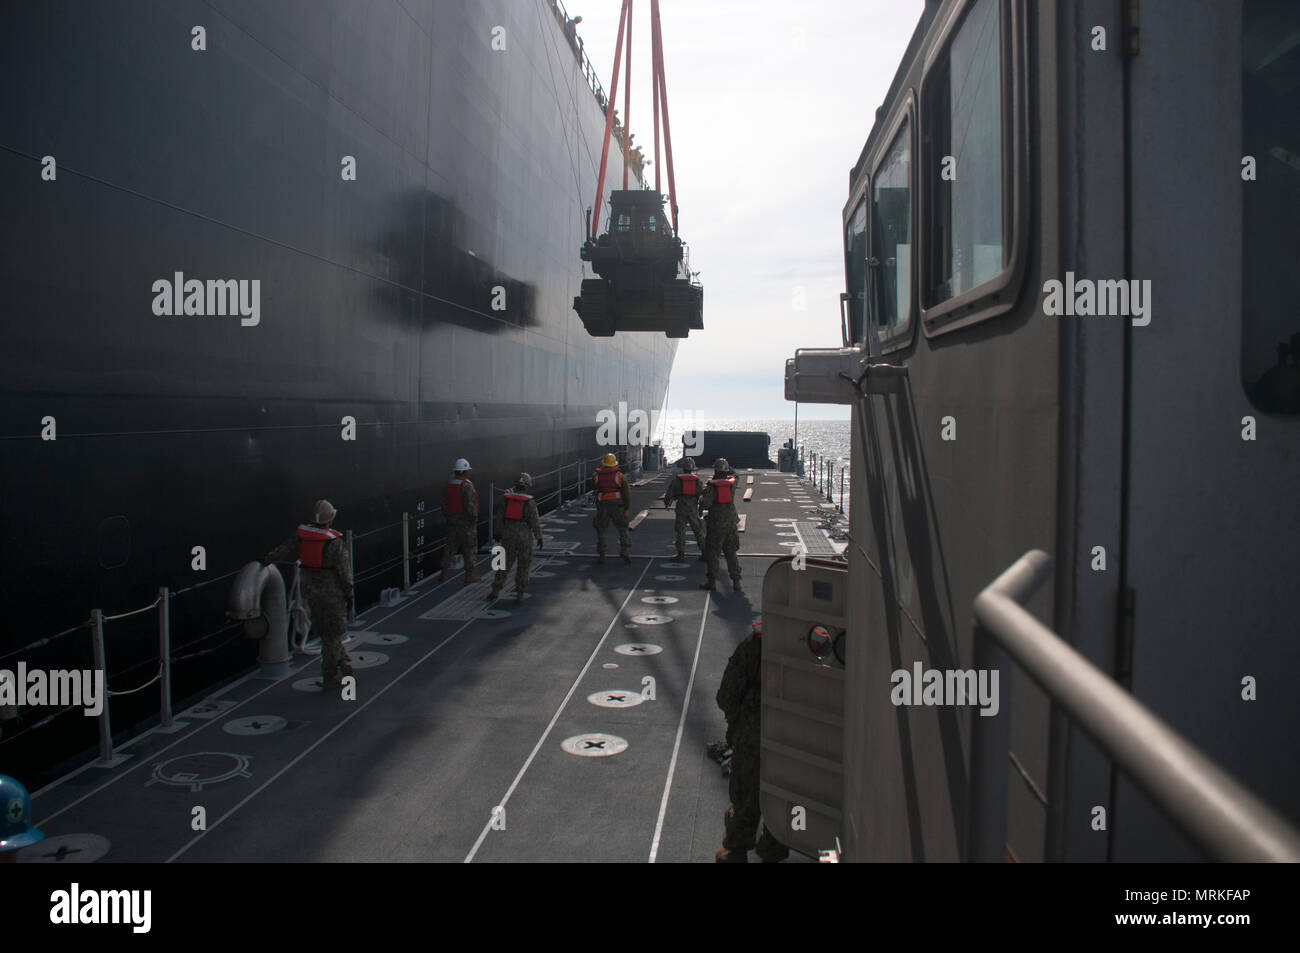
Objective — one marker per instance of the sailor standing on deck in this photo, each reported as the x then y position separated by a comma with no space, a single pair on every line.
613,500
460,507
326,583
740,698
515,525
685,492
721,534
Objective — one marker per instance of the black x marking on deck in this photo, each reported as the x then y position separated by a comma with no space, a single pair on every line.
594,744
63,852
615,698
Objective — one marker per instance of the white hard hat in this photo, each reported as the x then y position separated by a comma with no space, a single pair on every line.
462,464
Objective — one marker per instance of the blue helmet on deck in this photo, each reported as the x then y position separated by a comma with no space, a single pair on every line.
16,816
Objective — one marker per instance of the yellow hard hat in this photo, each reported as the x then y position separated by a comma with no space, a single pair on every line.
609,461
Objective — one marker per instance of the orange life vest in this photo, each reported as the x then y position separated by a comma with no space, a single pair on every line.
724,488
311,545
515,503
452,498
608,481
690,484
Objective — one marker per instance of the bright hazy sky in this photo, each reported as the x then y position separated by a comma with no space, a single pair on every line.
770,103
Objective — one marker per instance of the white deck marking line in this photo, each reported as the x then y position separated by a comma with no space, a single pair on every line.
271,780
681,725
556,717
46,818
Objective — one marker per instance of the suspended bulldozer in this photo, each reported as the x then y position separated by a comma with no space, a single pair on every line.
644,283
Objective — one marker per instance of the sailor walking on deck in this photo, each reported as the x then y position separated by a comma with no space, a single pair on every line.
613,500
684,490
516,525
721,533
460,507
326,583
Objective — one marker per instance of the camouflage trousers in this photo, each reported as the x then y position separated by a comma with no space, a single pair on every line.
462,538
329,623
605,513
688,514
518,544
743,814
724,538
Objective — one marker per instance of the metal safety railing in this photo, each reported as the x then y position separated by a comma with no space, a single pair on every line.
1217,813
821,470
167,655
579,51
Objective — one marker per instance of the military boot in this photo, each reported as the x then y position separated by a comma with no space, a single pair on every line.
519,596
709,585
472,576
626,558
600,557
724,856
735,585
494,594
443,577
334,681
680,557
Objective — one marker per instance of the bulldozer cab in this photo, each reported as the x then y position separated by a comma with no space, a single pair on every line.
643,279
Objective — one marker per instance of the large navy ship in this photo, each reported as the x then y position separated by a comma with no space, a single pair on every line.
256,254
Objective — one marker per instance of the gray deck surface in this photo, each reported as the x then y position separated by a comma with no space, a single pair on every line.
461,715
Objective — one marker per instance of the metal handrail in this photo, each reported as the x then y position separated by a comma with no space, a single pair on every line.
1217,813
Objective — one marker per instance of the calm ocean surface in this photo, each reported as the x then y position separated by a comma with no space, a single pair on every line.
829,439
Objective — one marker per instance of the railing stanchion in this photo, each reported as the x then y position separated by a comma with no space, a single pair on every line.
105,727
406,551
842,469
165,653
492,502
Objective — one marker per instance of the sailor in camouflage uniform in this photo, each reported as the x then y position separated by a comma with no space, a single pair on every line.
722,532
739,696
460,507
326,581
516,525
685,492
613,500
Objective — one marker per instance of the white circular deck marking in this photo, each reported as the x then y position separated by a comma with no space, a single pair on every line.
768,483
638,648
652,619
548,538
660,600
564,522
674,565
594,745
193,771
780,519
540,574
616,698
255,725
66,849
775,499
368,659
610,665
670,578
384,638
788,544
787,534
308,684
492,614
